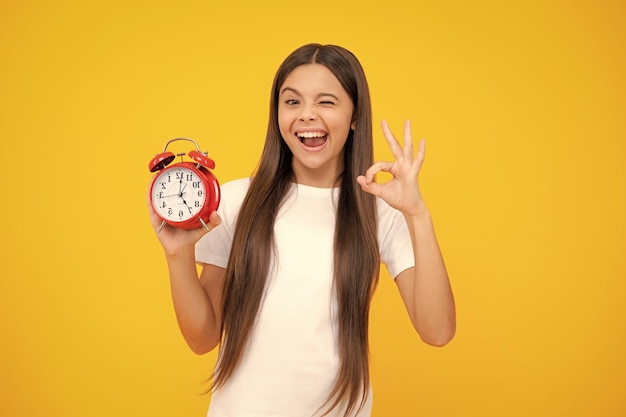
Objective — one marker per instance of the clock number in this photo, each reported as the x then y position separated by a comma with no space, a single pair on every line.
189,177
196,184
181,213
200,193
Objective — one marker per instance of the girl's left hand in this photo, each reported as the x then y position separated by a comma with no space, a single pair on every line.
402,192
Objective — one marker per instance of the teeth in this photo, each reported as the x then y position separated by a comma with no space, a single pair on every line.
311,134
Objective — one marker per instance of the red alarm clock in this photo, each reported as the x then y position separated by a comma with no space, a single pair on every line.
186,193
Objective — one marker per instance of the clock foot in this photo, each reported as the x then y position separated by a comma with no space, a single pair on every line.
204,224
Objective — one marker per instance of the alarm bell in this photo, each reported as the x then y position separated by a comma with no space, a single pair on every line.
165,158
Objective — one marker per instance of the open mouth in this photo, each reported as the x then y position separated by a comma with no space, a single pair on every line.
312,139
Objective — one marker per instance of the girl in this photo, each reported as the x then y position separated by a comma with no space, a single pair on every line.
292,259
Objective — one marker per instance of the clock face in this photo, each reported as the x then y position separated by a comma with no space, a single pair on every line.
178,194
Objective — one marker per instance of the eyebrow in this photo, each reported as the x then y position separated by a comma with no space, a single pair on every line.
296,92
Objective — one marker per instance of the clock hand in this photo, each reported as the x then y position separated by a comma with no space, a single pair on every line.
181,194
178,194
171,195
186,205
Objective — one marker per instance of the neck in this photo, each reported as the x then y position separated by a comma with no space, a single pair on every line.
317,181
322,177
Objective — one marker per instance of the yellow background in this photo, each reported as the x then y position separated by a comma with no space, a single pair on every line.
523,105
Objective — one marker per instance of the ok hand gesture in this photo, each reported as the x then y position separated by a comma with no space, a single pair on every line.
402,191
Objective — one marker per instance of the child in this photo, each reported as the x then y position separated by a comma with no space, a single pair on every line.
292,258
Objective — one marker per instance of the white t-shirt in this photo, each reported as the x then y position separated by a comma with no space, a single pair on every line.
291,362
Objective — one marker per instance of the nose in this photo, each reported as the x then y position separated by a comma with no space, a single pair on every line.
308,113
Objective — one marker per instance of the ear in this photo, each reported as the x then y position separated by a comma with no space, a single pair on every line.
353,125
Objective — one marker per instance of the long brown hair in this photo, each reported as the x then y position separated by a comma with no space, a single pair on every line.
356,253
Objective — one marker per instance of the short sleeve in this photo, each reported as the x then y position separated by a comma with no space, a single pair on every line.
214,247
394,240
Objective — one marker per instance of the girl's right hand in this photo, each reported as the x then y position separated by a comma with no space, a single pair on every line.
175,241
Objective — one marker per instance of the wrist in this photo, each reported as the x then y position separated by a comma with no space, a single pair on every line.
420,212
419,221
180,253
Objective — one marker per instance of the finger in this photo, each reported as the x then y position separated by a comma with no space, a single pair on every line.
380,166
155,220
214,219
421,151
369,187
416,166
148,193
394,145
408,141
